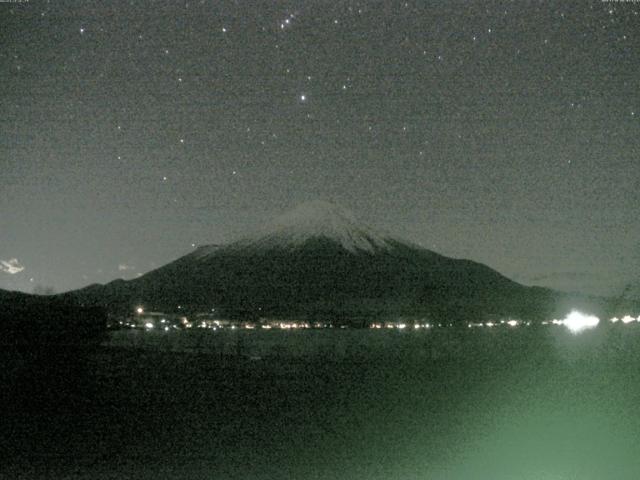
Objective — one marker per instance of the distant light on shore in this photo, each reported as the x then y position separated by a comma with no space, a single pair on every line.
577,322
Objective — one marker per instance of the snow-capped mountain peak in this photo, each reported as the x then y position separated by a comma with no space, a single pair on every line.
318,219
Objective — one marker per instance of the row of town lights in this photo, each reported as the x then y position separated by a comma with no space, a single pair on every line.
574,321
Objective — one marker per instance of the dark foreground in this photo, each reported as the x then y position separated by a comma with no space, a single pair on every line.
492,404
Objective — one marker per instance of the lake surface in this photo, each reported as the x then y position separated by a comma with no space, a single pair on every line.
501,403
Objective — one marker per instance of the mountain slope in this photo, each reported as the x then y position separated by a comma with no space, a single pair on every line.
37,320
319,262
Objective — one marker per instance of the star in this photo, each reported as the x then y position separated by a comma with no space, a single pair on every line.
286,22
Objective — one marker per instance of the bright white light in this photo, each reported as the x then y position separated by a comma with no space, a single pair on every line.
577,322
628,319
512,323
489,324
614,320
303,97
149,325
139,310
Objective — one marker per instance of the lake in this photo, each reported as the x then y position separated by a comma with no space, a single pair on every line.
501,403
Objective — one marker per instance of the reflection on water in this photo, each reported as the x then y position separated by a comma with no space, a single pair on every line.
492,403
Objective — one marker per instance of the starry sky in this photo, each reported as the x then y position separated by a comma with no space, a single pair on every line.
504,132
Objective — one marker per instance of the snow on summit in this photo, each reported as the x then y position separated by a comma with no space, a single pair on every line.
318,219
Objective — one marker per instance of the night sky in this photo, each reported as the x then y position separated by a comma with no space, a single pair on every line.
503,132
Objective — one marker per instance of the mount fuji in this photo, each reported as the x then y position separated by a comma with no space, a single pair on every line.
318,262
